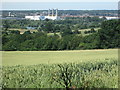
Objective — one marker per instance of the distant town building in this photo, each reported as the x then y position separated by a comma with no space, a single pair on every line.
36,17
41,17
109,18
10,15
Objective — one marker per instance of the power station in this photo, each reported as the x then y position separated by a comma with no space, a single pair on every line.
51,15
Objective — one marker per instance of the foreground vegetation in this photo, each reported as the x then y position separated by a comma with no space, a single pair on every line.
67,75
60,69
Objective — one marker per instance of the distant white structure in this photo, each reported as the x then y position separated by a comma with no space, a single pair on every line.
33,17
10,15
109,18
50,16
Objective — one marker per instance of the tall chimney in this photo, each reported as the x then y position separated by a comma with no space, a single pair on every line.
49,12
56,12
9,14
52,12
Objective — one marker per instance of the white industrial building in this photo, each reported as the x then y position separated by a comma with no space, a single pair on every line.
33,17
109,18
50,16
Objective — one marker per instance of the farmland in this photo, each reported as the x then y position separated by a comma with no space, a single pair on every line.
61,69
54,57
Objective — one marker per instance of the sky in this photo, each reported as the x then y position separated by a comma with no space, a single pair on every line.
60,0
60,4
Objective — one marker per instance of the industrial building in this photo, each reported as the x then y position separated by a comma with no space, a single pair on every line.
109,18
51,15
36,17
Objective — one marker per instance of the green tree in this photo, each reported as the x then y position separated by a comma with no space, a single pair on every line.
6,25
66,30
48,26
109,34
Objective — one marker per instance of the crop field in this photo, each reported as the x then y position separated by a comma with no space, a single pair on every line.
60,69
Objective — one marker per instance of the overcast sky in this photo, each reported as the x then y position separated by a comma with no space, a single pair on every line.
60,4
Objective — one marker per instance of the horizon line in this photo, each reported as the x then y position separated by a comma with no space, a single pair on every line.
58,9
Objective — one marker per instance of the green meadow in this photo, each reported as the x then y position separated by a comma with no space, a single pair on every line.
13,58
60,69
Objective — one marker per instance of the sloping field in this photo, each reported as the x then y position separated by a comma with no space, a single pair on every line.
11,58
60,69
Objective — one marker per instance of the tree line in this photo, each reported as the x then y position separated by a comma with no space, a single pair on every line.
57,25
106,37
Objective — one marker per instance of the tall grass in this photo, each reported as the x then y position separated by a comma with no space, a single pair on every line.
67,75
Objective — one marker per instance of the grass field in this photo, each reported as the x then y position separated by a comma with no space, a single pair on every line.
60,69
23,30
88,29
50,57
83,30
